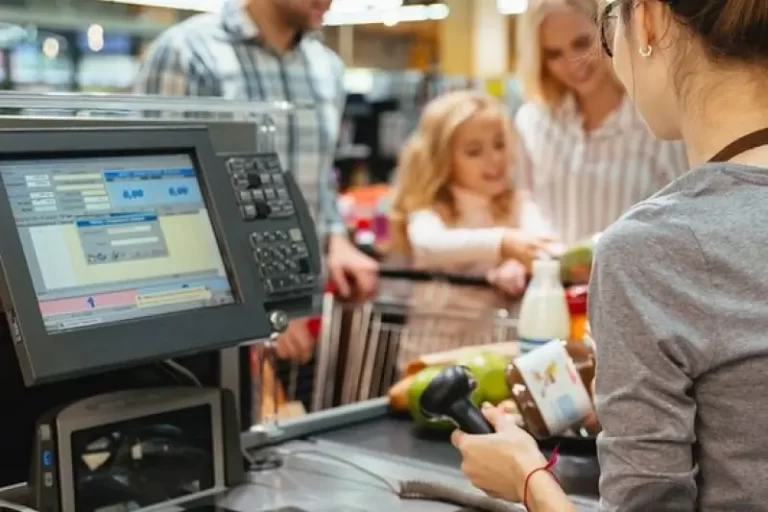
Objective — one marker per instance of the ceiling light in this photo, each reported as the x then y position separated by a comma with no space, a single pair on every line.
388,16
51,47
95,32
342,12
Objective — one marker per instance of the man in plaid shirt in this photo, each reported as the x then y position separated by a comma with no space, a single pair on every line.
268,50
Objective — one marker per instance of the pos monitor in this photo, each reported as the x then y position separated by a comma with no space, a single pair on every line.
122,246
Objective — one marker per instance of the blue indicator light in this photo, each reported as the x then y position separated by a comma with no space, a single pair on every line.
47,458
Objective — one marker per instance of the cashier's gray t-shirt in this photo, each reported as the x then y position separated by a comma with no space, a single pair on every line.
679,312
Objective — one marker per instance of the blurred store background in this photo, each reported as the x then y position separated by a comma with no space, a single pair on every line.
399,53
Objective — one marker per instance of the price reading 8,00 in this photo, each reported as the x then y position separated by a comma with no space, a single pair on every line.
135,193
178,191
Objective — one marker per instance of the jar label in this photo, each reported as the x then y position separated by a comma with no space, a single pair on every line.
555,385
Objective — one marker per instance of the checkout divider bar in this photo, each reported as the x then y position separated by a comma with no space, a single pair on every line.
264,435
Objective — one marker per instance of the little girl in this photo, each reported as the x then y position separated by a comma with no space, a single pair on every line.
455,209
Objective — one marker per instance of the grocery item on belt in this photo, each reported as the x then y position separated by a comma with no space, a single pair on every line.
544,310
550,386
577,256
507,349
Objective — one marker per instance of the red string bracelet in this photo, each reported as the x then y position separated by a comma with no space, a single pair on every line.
546,467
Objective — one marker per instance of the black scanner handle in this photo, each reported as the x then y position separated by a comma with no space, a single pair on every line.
470,419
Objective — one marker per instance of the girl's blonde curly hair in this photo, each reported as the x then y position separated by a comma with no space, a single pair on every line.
423,175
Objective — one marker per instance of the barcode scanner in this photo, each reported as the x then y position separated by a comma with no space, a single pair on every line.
447,397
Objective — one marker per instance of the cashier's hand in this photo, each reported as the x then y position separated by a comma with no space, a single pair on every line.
499,463
350,269
296,343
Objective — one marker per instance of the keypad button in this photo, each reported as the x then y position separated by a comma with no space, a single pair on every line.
278,179
244,197
258,195
256,239
295,234
239,180
262,209
282,194
304,266
270,194
255,164
254,180
248,211
235,165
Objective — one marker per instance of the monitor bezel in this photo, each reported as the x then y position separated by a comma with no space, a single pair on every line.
45,356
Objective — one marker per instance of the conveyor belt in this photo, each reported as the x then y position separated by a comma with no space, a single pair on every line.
389,435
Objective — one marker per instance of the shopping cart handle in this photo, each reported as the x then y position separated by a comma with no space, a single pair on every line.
425,275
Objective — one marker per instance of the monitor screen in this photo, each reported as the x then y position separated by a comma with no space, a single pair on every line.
115,238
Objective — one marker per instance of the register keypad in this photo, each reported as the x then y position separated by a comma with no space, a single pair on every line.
283,260
260,187
281,255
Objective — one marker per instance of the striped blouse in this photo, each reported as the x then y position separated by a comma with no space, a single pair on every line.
583,181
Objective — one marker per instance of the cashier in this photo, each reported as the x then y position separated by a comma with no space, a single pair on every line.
586,154
678,293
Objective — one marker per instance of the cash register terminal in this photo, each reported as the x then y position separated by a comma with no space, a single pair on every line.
123,246
127,245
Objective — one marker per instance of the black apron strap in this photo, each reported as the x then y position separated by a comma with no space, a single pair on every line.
742,145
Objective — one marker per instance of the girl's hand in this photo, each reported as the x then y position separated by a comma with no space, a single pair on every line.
523,247
509,277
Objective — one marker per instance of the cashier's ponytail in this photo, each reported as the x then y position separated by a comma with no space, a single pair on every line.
423,176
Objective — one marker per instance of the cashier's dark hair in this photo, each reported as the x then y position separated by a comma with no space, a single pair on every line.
728,30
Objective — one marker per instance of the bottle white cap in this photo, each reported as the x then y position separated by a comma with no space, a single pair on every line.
546,268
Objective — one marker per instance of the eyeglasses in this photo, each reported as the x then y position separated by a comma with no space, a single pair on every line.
608,20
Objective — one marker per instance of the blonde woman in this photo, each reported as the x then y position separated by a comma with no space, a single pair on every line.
455,210
587,156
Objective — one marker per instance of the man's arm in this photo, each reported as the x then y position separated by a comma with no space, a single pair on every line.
172,68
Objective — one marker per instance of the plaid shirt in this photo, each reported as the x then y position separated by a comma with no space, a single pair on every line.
222,55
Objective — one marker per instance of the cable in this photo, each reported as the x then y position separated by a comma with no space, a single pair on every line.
15,507
184,371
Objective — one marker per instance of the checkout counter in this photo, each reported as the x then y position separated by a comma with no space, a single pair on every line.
126,244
